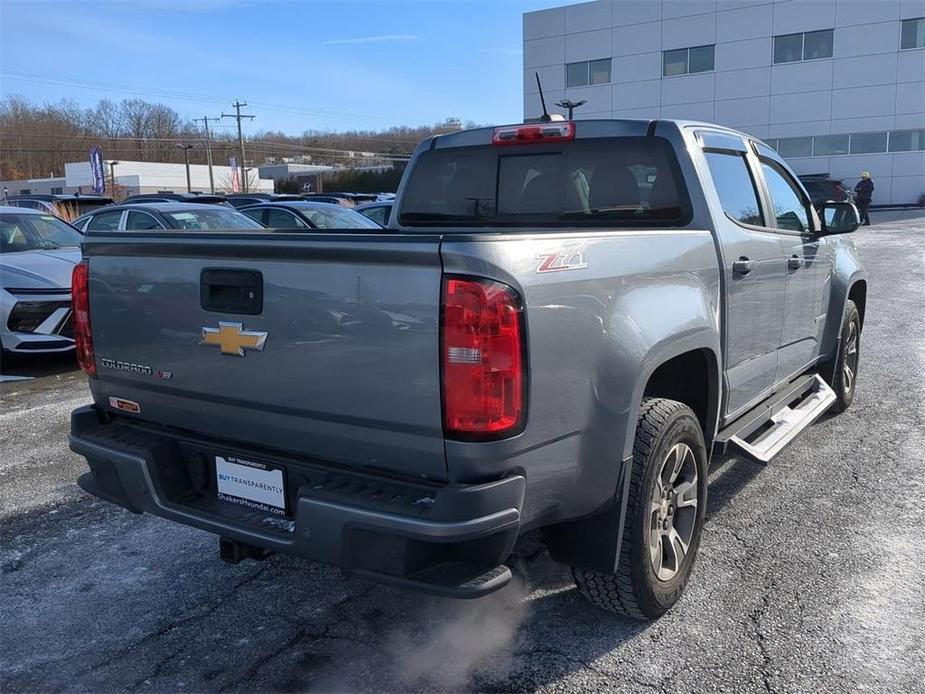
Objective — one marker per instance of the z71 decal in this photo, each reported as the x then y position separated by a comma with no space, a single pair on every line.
561,260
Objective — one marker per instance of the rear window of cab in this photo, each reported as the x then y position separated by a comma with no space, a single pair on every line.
614,181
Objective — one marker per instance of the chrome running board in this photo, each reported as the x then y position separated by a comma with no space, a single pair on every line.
783,419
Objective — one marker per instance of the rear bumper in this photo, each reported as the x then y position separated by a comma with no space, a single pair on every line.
444,538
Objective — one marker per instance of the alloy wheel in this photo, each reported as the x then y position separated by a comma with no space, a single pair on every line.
673,511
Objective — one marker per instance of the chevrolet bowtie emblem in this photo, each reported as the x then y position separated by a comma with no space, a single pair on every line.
233,339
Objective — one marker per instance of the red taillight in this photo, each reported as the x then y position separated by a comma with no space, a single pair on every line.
527,134
483,359
80,305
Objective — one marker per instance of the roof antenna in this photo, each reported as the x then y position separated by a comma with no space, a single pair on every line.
545,118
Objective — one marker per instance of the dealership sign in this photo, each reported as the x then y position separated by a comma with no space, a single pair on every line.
96,168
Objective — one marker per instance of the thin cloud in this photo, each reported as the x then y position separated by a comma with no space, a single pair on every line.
384,38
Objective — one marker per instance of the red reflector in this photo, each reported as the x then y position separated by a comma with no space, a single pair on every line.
80,305
483,359
527,134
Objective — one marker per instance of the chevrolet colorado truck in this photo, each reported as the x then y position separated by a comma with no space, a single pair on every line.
560,326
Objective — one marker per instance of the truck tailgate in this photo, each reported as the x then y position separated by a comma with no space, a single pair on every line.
349,367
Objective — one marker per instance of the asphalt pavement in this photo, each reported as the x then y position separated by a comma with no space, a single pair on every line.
809,576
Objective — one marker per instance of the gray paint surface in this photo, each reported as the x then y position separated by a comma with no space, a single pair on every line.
350,373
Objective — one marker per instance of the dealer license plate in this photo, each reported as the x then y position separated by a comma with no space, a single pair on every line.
250,484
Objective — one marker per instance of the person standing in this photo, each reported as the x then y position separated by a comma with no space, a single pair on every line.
863,193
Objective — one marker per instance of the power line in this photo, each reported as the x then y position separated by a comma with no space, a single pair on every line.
238,117
205,124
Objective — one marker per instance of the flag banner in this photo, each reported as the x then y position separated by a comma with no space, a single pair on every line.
235,178
96,168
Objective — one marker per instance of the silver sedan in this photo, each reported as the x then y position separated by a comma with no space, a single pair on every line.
37,254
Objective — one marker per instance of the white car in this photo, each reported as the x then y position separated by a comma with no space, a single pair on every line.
37,255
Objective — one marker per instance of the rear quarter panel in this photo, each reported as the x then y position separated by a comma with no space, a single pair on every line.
595,334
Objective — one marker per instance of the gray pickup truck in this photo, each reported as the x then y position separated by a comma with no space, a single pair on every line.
561,325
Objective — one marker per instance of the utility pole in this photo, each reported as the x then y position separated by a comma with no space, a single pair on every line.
205,122
112,178
186,149
237,116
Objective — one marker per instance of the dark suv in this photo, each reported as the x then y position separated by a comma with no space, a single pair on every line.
823,189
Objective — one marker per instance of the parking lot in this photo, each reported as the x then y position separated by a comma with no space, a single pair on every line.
809,575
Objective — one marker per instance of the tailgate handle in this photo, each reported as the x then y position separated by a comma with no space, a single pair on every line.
229,290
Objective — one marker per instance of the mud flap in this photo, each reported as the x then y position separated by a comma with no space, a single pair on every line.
593,542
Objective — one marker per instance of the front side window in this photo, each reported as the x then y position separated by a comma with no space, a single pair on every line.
735,187
620,181
377,214
211,219
283,219
337,217
913,33
30,232
789,209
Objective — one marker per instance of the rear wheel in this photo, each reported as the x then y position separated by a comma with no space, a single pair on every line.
845,376
664,516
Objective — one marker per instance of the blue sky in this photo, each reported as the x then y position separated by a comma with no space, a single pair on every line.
332,65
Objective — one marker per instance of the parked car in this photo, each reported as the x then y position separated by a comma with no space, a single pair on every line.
199,198
38,252
331,198
308,215
66,207
823,189
239,200
164,215
377,211
574,318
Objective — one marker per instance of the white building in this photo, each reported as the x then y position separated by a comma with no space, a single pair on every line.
153,177
135,177
836,86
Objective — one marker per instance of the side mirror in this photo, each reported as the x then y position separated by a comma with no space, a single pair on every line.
839,218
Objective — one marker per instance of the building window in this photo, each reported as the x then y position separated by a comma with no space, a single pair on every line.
907,140
25,191
830,145
684,61
913,34
795,146
811,45
868,143
587,72
57,191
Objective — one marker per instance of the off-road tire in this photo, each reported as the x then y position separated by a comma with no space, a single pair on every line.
844,388
634,590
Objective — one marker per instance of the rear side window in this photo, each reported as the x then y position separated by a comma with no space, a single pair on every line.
735,187
105,221
621,181
140,221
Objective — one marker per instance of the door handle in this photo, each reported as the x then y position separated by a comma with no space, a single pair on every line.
794,262
742,266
